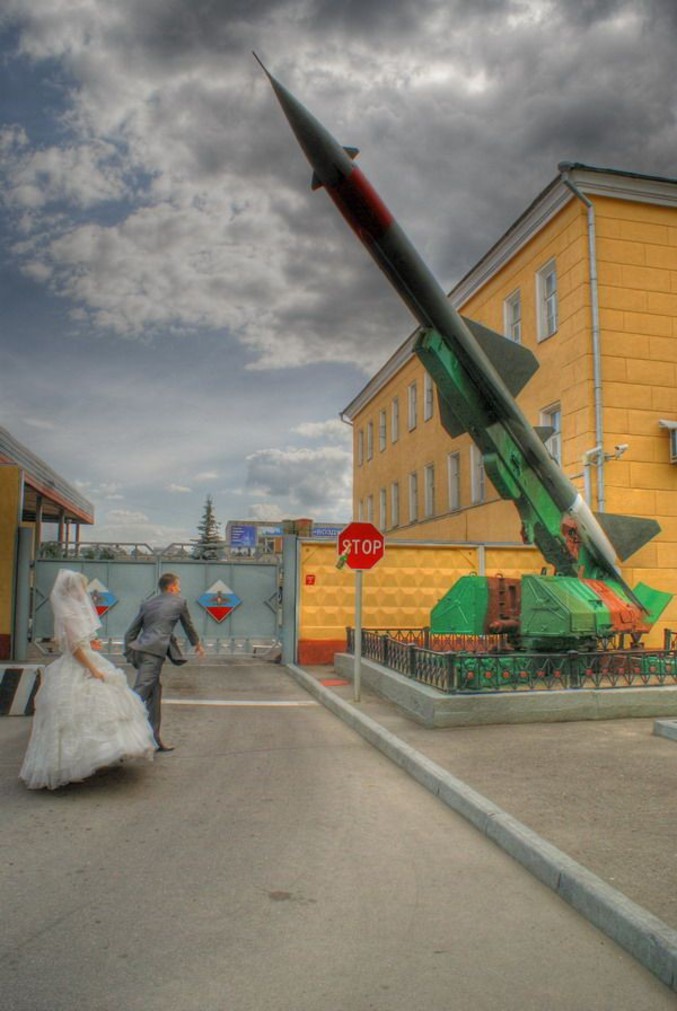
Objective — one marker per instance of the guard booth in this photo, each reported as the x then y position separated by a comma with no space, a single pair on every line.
32,495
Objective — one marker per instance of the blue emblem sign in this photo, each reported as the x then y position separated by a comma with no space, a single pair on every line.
219,601
101,596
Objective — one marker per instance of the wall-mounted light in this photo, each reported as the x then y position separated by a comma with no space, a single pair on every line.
672,431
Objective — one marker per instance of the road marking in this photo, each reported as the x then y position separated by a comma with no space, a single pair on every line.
222,702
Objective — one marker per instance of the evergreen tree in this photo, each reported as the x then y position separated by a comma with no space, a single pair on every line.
209,545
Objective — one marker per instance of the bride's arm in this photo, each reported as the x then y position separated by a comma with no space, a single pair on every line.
82,657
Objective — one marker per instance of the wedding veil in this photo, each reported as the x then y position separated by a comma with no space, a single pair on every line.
75,617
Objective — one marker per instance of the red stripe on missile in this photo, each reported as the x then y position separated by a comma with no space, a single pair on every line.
361,206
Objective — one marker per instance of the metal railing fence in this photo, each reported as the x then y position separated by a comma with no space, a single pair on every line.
480,663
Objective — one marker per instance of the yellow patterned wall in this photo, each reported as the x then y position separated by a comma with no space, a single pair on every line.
399,592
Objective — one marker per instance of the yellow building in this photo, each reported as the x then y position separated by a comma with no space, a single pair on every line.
587,279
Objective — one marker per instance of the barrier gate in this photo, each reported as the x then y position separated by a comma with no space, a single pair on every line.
236,607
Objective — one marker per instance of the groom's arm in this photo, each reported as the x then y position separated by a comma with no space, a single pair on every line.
133,630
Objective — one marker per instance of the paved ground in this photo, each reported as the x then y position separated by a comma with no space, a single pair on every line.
604,792
276,860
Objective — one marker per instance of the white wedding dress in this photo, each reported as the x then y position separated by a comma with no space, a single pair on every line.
81,723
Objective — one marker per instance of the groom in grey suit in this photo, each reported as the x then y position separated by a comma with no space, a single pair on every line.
150,639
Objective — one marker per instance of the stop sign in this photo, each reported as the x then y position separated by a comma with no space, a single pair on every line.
363,543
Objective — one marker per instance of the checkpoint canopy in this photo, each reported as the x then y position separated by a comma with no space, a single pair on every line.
363,544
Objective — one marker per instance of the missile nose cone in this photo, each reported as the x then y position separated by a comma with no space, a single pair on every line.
329,160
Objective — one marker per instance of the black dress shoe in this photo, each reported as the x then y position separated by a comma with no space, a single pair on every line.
164,747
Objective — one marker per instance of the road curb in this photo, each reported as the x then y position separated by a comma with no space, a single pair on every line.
666,728
647,938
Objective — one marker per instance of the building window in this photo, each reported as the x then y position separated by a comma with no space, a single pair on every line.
370,439
395,420
360,447
546,300
454,480
413,497
429,490
551,417
370,508
382,434
382,506
477,476
428,397
360,510
512,313
395,504
412,405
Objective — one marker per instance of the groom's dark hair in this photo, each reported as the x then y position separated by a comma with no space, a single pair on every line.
166,580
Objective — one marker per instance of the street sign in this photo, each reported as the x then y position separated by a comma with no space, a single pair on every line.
362,543
360,546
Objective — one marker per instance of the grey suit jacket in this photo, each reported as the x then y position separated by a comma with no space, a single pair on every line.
152,629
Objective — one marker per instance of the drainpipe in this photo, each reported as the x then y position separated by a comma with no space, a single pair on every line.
565,168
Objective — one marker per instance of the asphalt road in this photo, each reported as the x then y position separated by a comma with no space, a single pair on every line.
275,860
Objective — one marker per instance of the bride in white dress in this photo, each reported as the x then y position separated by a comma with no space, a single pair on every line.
86,716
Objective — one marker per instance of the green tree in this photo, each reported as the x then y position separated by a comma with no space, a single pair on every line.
209,545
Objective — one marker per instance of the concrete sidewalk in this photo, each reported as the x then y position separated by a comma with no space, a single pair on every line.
588,807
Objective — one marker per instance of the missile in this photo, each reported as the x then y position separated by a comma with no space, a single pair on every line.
478,374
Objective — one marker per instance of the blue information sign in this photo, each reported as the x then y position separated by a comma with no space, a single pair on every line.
242,536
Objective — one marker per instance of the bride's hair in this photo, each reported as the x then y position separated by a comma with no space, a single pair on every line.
75,617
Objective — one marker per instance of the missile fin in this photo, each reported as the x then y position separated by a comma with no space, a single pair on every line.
449,420
653,601
544,432
316,182
514,363
352,152
627,533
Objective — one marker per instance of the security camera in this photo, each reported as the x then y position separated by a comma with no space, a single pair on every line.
622,447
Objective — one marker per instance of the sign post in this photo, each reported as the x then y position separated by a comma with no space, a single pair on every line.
360,546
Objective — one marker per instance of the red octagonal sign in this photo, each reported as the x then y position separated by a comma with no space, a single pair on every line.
363,544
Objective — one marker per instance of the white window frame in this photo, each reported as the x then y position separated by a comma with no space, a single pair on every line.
551,417
360,510
428,397
413,497
395,504
429,490
360,447
512,317
370,509
395,419
454,481
547,300
383,509
478,483
370,440
412,406
382,430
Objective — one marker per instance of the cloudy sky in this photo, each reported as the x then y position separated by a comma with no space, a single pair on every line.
180,314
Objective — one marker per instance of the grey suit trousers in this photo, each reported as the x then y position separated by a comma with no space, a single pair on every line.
148,687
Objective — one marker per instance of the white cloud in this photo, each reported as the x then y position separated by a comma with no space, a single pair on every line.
39,423
265,511
333,430
317,481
